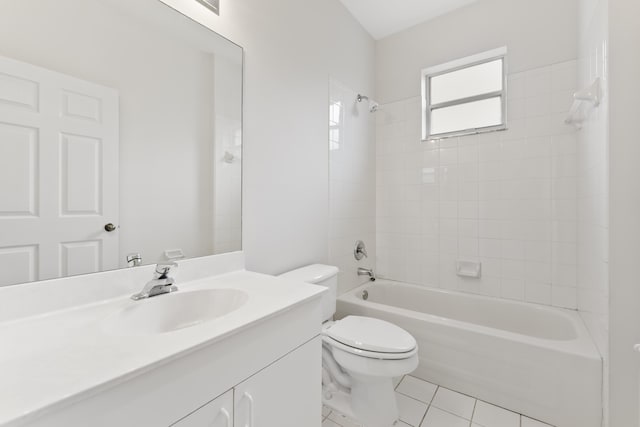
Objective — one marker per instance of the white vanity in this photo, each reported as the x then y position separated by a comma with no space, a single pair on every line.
74,359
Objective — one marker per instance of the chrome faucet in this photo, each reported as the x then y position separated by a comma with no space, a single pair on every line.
161,283
367,272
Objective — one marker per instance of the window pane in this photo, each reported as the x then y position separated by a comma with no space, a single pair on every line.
471,81
472,115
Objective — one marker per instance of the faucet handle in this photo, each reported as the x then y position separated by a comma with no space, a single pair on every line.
360,251
163,269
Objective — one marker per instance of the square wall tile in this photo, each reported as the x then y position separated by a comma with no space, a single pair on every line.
508,198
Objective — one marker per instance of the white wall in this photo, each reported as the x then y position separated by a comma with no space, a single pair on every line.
538,33
291,49
624,308
352,188
593,183
506,199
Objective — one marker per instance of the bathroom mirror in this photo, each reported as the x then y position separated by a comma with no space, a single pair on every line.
120,137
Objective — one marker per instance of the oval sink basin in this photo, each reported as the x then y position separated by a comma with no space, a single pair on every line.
171,312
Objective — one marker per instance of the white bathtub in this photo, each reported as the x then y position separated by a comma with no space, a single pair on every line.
532,359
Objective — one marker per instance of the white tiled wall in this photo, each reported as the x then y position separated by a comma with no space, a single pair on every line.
352,195
507,199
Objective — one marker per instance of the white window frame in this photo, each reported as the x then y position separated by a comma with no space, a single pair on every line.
470,61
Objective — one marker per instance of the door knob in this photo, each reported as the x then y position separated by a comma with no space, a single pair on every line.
110,227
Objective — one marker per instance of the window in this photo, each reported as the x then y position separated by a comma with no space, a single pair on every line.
335,125
466,96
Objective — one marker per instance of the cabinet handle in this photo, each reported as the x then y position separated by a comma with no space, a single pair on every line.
227,416
250,399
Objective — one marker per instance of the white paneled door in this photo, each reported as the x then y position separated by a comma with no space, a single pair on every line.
58,174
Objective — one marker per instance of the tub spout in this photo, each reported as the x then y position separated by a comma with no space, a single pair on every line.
367,272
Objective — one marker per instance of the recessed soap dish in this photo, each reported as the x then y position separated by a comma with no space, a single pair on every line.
469,269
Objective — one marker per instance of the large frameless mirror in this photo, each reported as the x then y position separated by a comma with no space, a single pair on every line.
120,138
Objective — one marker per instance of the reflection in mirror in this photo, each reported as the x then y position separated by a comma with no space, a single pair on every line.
120,138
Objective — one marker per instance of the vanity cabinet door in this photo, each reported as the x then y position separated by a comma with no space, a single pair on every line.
287,393
217,413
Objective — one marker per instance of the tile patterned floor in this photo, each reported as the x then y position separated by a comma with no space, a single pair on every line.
422,404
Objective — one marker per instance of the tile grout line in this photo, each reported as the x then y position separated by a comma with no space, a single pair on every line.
417,400
413,398
428,407
430,404
473,412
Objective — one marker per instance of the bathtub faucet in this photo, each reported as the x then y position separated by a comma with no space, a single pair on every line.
367,272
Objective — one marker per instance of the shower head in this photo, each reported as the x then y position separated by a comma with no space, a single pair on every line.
373,106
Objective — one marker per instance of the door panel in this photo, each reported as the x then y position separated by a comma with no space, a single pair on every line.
80,175
18,92
79,106
18,173
80,257
18,264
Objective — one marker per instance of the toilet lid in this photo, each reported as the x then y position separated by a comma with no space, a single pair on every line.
370,334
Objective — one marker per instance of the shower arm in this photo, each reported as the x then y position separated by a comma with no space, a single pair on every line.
373,106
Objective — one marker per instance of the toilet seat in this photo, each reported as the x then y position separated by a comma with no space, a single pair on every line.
369,354
372,338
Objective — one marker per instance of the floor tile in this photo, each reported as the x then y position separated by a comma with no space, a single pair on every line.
439,418
411,410
454,402
488,415
403,424
528,422
418,389
329,423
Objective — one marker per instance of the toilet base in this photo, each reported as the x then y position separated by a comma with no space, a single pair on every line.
338,401
366,413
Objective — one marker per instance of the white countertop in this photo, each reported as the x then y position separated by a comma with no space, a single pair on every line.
63,356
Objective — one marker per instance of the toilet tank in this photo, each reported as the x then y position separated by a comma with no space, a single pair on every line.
321,275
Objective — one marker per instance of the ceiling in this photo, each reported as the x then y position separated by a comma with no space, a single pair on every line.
382,18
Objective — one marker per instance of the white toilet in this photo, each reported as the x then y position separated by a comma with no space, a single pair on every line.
360,356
